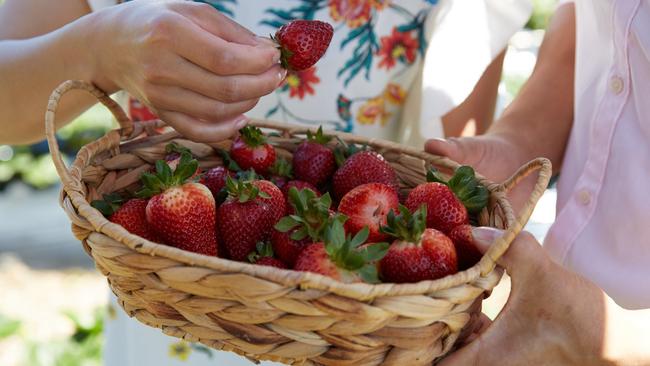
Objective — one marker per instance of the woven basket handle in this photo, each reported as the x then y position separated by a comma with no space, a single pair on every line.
50,129
500,246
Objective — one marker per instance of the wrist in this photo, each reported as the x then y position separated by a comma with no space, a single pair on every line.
93,31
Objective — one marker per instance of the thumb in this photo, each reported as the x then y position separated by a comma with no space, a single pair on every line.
522,255
449,148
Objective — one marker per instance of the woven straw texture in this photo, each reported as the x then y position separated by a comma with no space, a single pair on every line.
265,313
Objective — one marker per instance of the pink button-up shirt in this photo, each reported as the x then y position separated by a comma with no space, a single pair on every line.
602,229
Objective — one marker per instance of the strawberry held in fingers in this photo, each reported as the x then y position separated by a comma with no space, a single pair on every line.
368,206
361,168
313,161
305,226
251,151
449,203
181,214
418,253
130,214
245,218
340,256
303,42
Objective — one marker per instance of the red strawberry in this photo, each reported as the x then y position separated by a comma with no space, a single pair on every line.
131,214
277,202
299,185
215,179
468,253
446,201
245,218
264,256
139,112
280,173
181,214
293,233
361,168
418,253
368,205
303,43
313,162
340,257
251,151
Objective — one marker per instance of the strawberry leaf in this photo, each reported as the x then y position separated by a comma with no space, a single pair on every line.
174,147
465,186
318,137
228,162
252,136
299,234
282,168
406,226
374,252
360,237
368,274
285,224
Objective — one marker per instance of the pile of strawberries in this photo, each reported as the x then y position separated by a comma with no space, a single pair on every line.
335,209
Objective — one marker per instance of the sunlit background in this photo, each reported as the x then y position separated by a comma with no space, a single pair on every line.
53,301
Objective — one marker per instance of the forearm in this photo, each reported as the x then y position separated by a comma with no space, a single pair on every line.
539,120
627,335
31,68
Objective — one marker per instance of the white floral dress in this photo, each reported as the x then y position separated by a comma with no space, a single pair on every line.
393,68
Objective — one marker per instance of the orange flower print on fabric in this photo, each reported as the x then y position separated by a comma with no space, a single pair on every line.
399,46
354,12
301,83
372,110
395,94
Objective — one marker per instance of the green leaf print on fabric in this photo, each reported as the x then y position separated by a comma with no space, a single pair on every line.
305,10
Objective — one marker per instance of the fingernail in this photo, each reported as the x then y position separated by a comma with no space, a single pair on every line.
485,236
276,57
266,41
281,75
241,122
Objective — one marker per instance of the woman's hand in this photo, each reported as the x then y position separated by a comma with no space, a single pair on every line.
194,67
552,317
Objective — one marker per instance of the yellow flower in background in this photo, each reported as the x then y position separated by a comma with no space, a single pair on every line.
395,94
180,350
371,110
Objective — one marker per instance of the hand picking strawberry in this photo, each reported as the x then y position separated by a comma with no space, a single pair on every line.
180,212
303,42
341,256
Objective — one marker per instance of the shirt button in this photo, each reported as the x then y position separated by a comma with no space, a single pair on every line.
584,197
616,85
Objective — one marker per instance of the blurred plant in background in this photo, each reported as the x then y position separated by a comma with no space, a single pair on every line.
542,11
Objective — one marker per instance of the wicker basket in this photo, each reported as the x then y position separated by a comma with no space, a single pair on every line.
265,313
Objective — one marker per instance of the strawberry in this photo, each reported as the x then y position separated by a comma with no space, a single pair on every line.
251,151
130,214
340,257
293,233
448,203
215,180
264,256
181,214
245,218
418,253
277,202
368,205
313,162
303,42
299,185
468,253
361,168
280,173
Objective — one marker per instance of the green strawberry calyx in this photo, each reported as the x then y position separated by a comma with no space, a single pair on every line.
406,226
318,137
174,147
262,249
281,168
252,136
310,217
344,150
243,190
164,177
285,53
344,250
465,186
109,205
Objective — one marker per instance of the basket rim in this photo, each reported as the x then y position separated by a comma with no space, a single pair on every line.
287,277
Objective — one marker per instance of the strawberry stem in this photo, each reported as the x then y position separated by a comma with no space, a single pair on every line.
311,214
406,226
244,190
165,178
252,136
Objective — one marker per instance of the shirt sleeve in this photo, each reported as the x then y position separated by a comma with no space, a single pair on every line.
465,36
100,4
